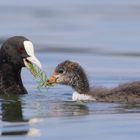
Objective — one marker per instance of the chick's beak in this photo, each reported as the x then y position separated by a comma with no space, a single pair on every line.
33,60
52,79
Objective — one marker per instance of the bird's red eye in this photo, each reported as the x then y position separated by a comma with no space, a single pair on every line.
20,50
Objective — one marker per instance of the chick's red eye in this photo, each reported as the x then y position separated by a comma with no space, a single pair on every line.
60,71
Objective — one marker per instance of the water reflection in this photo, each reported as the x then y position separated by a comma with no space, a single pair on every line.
129,108
12,116
67,109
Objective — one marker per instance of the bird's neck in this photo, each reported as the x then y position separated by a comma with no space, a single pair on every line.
81,85
10,72
82,97
10,80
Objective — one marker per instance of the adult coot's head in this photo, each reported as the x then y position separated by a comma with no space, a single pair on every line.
15,53
19,51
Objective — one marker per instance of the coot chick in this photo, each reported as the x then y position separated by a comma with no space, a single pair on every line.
72,74
15,53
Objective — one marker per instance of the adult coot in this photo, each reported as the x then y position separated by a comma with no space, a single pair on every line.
15,53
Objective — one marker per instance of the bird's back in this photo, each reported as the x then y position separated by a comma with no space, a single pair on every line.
125,93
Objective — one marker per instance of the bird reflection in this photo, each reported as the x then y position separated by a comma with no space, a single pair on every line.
12,116
61,109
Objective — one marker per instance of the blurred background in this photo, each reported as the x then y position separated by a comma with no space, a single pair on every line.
100,26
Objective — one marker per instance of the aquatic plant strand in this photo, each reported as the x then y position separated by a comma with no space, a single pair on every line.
39,74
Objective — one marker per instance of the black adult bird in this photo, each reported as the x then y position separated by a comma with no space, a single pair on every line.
15,53
72,74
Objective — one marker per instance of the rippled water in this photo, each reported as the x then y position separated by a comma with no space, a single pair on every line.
103,36
51,114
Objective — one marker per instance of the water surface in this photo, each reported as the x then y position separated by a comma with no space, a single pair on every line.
50,113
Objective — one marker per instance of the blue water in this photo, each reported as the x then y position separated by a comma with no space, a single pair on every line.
103,24
50,113
103,36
